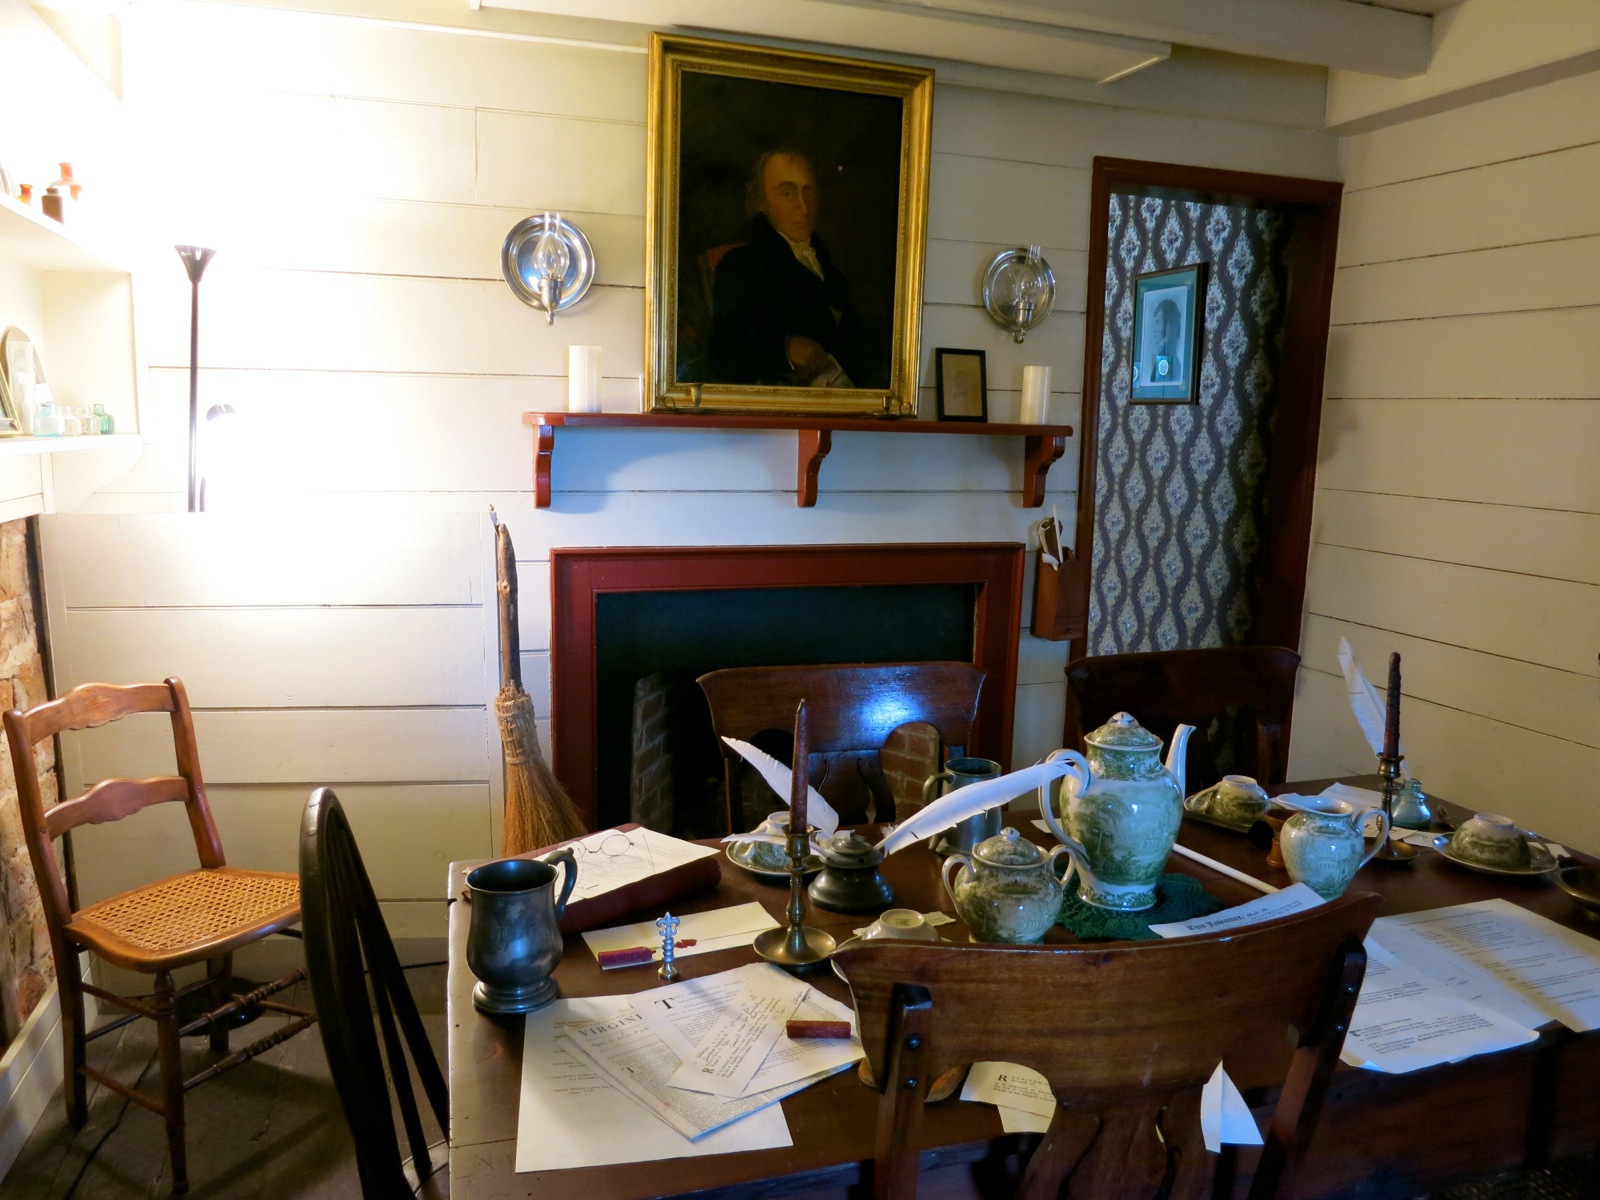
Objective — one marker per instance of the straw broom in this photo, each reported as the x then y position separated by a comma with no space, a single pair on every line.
538,810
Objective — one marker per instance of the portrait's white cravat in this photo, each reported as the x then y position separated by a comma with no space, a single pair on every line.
807,257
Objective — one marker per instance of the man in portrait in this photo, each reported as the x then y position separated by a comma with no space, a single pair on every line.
1163,364
782,313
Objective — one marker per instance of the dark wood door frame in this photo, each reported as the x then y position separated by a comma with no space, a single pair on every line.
1312,209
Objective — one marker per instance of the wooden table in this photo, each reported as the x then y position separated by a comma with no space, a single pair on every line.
1380,1135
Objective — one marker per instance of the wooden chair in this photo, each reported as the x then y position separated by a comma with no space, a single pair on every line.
1126,1033
1238,698
851,709
347,945
199,917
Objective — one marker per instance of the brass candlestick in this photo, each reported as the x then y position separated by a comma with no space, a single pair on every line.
797,945
1392,852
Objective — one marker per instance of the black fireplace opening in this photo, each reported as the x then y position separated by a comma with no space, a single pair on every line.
652,645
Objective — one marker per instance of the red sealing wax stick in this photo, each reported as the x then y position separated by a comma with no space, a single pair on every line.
818,1029
630,957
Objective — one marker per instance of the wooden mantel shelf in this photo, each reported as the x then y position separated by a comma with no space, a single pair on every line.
1042,444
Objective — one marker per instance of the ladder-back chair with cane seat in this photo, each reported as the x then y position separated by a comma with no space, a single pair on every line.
348,944
851,710
1238,698
1127,1034
199,917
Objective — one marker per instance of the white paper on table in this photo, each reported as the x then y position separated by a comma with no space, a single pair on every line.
682,1014
614,858
1297,898
624,1049
572,1116
1010,1085
733,1049
819,812
1406,1020
1224,1116
1358,796
1020,1120
1516,962
719,929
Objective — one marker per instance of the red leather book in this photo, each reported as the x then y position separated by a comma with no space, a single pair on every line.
653,892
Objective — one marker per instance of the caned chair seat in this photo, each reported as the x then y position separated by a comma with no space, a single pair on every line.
197,917
187,918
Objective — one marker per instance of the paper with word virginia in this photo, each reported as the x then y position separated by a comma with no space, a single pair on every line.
570,1115
683,1015
1521,964
1405,1020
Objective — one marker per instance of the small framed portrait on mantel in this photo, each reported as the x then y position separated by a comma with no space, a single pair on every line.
1168,320
961,384
785,226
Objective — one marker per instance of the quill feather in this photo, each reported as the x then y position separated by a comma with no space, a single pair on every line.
1366,702
968,801
818,811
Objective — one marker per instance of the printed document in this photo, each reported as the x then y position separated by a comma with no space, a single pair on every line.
572,1116
1516,962
736,1045
1297,898
719,929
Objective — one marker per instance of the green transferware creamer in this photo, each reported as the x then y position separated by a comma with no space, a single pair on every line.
1008,891
1122,807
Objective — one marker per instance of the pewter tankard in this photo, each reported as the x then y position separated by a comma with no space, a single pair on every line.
514,942
966,834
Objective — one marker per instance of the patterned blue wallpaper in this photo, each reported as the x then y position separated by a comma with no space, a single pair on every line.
1180,488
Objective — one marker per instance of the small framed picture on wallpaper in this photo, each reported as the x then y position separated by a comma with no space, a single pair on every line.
1168,320
962,385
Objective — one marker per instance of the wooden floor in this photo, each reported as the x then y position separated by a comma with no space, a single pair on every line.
271,1129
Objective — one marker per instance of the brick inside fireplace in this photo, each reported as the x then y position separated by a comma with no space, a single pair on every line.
634,626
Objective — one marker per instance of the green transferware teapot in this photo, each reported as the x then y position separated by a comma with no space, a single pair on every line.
1122,807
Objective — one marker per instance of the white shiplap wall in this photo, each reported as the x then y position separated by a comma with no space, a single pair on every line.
1458,503
360,177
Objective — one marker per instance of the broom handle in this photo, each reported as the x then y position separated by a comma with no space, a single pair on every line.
506,588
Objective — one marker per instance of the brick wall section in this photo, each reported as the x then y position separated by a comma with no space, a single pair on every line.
651,801
25,968
909,756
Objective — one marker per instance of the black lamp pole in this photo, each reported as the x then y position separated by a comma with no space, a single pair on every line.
195,259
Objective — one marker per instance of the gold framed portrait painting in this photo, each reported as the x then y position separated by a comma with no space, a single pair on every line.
785,230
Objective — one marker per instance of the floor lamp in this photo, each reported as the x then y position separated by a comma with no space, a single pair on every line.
195,259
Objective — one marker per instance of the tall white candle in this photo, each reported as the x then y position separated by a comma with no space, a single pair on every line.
583,378
1035,395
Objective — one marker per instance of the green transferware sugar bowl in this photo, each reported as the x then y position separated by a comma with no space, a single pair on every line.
1237,801
1491,840
1008,891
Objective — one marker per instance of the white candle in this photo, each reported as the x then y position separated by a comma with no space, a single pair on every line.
1035,395
583,378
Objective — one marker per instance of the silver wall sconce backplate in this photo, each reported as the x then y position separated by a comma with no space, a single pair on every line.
527,256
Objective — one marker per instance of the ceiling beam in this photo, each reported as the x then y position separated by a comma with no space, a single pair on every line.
1326,33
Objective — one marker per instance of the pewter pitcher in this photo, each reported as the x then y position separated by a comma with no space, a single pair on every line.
514,942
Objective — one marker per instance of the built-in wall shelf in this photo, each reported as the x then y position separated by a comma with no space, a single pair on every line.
29,237
15,447
1042,444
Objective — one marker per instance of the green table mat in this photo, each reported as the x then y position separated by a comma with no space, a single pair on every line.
1178,898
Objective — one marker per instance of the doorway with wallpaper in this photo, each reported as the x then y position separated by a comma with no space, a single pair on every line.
1196,517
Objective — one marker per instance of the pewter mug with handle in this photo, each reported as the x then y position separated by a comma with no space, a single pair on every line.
514,941
966,834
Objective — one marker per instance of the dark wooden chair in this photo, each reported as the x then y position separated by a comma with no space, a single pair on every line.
1127,1034
1238,698
199,917
370,1033
851,711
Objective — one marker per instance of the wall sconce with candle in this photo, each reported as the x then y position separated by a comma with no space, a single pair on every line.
548,263
1019,290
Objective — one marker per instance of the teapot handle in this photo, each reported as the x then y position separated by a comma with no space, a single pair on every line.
565,857
1383,834
1074,862
1078,769
953,861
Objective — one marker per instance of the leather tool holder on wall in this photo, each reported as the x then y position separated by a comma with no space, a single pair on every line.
1060,598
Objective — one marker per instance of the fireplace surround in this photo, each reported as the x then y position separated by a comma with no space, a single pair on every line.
796,588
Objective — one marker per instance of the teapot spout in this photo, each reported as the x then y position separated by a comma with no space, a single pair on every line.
1175,756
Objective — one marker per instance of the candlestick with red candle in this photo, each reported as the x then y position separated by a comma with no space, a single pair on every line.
1391,724
799,785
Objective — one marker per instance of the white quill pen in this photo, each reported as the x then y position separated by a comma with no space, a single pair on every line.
968,801
818,811
1367,702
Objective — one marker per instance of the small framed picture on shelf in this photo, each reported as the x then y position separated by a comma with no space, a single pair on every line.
961,383
1168,320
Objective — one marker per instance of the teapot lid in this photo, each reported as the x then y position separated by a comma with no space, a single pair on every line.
849,850
1008,848
1122,732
